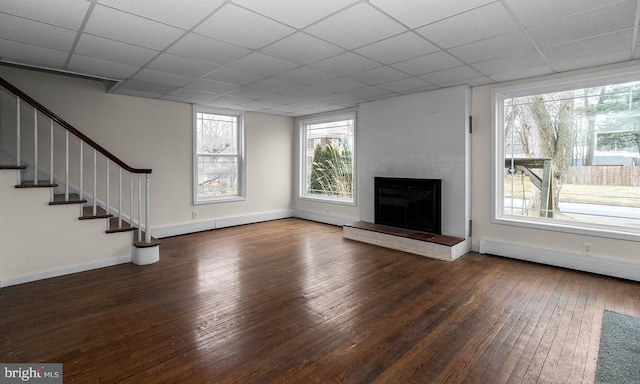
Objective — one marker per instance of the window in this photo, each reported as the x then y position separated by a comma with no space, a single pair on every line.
327,158
567,155
218,156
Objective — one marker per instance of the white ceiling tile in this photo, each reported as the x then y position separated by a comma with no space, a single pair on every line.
451,75
62,13
378,75
416,13
397,48
591,61
32,32
176,13
590,48
210,86
301,48
234,76
305,76
182,66
137,93
339,85
262,64
147,87
480,23
274,84
298,14
428,63
522,73
191,94
241,27
584,25
404,85
356,26
205,48
163,78
542,11
250,93
511,63
127,28
345,64
13,51
475,82
308,92
369,93
106,49
492,47
99,67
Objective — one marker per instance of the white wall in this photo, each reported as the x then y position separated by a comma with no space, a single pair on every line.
144,133
157,134
483,229
39,241
423,135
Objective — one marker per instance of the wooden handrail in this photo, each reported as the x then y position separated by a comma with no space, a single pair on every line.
69,127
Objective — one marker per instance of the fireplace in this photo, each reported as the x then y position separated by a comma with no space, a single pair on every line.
408,203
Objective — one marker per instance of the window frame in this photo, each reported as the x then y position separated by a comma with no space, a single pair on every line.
498,95
241,156
302,174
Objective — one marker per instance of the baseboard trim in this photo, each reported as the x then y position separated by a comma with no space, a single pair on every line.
206,225
586,263
56,272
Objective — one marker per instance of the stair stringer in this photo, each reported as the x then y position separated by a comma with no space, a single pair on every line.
39,241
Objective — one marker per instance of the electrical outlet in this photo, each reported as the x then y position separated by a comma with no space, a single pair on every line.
194,215
587,248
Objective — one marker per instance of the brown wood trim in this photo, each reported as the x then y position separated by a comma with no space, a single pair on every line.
32,184
13,167
69,127
125,227
141,244
408,233
87,213
74,198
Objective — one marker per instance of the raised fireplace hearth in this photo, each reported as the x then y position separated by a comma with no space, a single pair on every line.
440,247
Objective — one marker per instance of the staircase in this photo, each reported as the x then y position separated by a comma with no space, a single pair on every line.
46,152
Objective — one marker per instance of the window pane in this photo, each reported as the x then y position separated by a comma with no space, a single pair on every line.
217,134
217,176
574,155
329,159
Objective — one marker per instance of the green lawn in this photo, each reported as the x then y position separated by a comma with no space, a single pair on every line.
626,196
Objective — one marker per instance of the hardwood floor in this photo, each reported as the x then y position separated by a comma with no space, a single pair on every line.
292,301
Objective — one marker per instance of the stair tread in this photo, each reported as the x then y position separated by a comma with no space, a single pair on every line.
7,166
87,213
74,198
124,227
32,184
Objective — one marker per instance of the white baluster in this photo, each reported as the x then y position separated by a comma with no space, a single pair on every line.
139,207
66,166
51,155
95,184
35,146
81,186
107,207
120,197
18,138
131,198
147,220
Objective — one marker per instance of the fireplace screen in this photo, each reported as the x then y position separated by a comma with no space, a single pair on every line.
408,203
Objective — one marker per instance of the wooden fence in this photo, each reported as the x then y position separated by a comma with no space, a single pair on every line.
603,175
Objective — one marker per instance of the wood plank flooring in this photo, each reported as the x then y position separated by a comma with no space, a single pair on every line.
291,301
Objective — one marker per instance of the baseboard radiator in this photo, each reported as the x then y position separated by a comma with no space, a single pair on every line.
587,263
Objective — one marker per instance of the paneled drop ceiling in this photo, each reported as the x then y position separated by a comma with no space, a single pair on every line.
300,57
